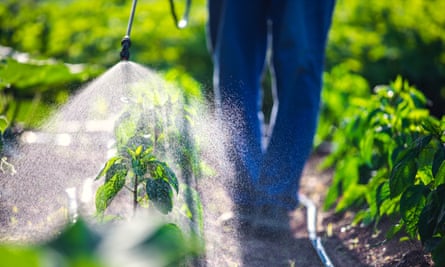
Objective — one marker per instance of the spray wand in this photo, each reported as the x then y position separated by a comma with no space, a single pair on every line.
126,42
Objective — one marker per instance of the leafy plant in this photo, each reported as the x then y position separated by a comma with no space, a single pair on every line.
152,131
389,162
137,169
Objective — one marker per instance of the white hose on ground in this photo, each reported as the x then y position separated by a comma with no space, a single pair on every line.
311,211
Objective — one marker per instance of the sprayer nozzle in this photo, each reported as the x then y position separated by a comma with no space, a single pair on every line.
125,52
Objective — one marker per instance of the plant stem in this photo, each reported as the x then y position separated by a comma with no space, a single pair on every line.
128,188
135,194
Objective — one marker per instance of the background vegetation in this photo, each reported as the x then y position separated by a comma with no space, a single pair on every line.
377,41
382,40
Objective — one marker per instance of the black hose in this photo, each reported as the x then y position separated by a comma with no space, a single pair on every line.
126,42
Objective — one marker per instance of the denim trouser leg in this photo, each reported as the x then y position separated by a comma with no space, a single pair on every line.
299,36
238,31
238,35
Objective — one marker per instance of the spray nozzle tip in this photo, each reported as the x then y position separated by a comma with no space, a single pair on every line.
125,52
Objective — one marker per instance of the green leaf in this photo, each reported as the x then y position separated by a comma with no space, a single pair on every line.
166,238
331,196
402,176
106,192
21,256
76,240
424,159
396,155
114,169
440,175
440,226
390,206
401,155
160,193
3,124
161,170
169,244
412,203
382,195
107,166
138,151
171,177
439,158
366,147
422,142
398,83
432,218
147,155
432,125
353,196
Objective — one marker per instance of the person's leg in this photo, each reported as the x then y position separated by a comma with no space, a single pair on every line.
299,36
239,32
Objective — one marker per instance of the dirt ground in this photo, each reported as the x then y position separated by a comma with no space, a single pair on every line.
365,245
345,245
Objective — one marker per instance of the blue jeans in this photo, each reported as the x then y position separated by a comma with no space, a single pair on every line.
240,32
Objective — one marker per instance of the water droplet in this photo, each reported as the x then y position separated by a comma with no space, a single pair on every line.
63,139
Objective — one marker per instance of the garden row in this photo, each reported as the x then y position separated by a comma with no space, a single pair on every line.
388,159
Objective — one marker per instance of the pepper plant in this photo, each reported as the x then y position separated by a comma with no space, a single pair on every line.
156,161
389,162
148,134
137,169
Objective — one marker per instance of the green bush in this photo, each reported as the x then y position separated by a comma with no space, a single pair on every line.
156,156
389,162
